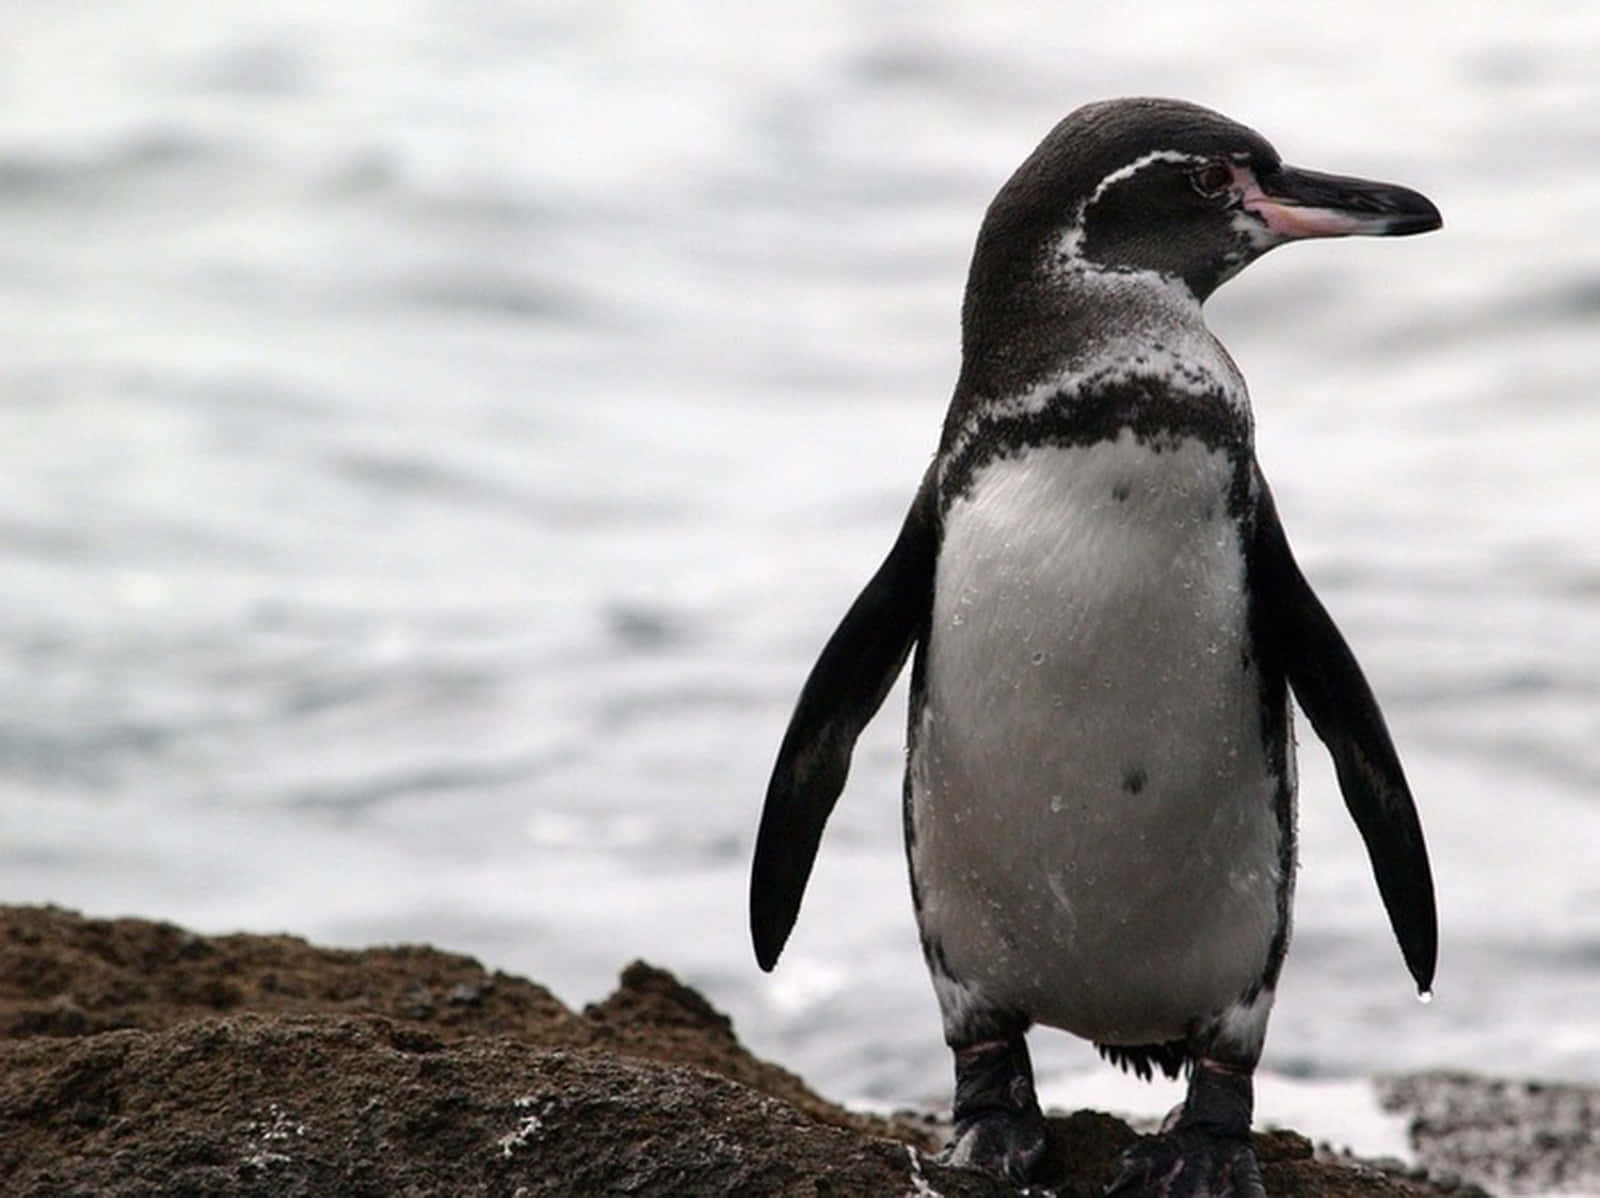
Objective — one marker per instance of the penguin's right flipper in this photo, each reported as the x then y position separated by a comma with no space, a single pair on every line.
845,689
1336,697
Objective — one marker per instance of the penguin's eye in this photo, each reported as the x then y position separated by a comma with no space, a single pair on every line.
1212,179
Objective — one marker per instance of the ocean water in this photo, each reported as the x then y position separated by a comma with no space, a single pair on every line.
438,439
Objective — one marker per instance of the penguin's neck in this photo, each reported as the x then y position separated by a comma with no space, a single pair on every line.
1100,346
1063,316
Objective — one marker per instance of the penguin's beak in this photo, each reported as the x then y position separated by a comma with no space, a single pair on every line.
1295,204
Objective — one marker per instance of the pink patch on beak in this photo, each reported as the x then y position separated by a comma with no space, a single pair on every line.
1292,222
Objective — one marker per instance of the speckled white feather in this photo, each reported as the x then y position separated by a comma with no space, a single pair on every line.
1096,841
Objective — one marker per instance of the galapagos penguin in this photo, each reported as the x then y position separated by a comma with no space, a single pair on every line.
1107,622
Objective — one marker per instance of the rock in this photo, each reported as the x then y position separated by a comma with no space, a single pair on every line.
137,1058
1519,1137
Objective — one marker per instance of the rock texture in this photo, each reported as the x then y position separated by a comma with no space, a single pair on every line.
138,1058
1516,1137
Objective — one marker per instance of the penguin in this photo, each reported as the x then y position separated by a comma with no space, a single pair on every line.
1106,622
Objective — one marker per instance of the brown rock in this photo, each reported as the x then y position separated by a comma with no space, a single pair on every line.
62,974
137,1058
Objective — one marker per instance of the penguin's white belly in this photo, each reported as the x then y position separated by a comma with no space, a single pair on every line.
1095,837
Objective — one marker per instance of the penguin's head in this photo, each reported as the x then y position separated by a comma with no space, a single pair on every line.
1169,187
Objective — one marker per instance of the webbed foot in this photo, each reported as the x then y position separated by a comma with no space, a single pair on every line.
1189,1162
998,1124
1204,1152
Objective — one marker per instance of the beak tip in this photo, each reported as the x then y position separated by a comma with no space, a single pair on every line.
1425,220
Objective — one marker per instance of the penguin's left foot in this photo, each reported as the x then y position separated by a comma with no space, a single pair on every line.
1189,1162
998,1124
1204,1151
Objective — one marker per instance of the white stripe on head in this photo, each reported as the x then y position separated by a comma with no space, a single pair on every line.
1071,244
1137,165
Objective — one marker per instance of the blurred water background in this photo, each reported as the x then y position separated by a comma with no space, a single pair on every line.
438,438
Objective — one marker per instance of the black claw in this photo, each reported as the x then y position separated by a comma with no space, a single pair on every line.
998,1124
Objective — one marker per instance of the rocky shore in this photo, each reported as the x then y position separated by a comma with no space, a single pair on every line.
139,1058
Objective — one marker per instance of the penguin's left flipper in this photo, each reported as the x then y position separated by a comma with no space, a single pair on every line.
845,689
1297,630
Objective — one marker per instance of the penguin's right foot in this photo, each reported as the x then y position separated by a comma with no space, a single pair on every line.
1010,1143
998,1124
